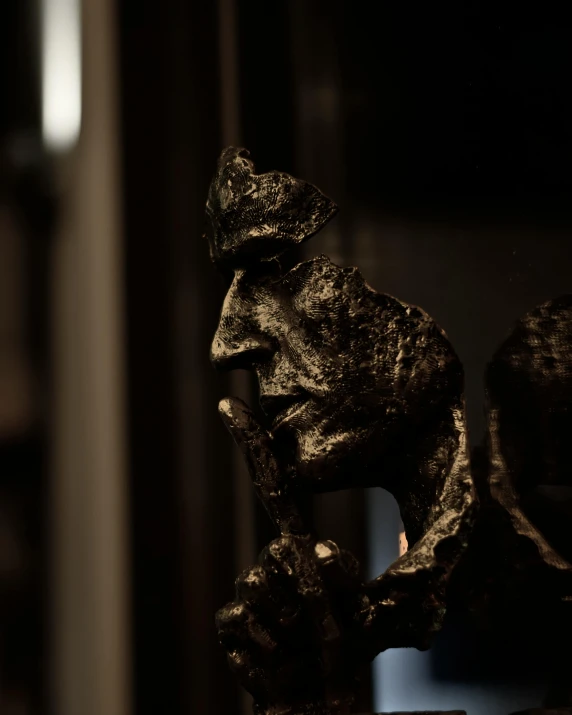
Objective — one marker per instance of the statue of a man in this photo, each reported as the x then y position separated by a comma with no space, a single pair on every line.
358,390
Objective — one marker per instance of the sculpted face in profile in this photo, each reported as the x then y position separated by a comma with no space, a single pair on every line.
358,390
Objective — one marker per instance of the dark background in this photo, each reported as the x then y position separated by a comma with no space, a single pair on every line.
443,133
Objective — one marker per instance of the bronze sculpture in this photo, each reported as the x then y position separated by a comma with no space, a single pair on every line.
358,389
521,549
529,389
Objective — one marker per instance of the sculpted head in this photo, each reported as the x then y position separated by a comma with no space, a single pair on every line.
529,390
353,382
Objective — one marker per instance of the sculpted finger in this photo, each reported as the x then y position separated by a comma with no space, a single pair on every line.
255,443
271,595
231,624
339,568
252,585
296,558
288,555
239,630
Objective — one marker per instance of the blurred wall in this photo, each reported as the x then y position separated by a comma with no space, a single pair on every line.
25,222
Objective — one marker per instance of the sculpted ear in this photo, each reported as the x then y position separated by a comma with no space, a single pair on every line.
259,216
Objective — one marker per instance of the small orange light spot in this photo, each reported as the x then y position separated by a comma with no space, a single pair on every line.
403,545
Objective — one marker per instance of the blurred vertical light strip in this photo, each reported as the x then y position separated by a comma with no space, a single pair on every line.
61,73
90,663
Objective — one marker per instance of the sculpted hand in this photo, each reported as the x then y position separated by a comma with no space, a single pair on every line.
292,634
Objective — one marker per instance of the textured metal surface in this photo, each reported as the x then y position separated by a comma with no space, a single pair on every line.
256,217
529,386
358,389
529,486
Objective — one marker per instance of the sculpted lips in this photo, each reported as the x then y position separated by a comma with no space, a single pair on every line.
278,407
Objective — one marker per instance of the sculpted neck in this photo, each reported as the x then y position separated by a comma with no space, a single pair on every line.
420,474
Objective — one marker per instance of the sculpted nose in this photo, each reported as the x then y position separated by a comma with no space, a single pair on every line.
239,348
240,340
